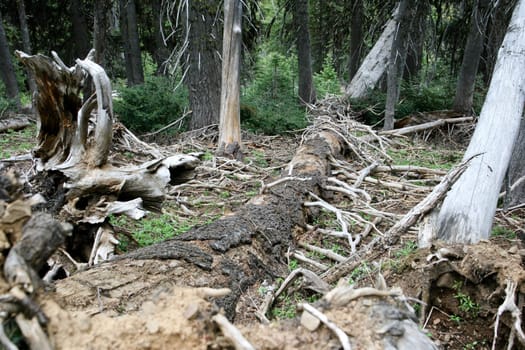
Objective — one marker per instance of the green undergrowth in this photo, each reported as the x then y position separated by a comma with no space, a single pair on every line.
14,143
433,158
155,227
150,106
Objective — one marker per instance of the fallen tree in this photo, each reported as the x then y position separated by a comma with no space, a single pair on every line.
159,292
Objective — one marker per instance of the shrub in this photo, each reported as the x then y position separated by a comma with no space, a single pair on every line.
326,81
413,98
269,102
150,106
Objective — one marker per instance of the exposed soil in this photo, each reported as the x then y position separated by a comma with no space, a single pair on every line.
114,309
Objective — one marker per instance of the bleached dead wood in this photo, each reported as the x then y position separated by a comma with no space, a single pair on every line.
374,64
75,138
467,212
14,123
425,126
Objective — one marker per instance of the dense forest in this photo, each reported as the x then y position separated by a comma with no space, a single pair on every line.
163,57
277,174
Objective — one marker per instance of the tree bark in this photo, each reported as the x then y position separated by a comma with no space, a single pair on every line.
100,28
80,33
515,194
7,70
131,43
496,28
26,42
463,99
230,122
374,64
304,54
204,76
396,61
161,53
356,38
468,210
416,41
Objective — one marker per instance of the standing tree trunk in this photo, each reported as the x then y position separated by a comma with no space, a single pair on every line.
515,194
204,77
396,61
468,210
230,121
160,53
100,26
469,66
26,42
495,31
416,41
356,38
373,66
304,55
131,42
7,70
80,29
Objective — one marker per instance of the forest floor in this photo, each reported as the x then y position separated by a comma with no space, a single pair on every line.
460,309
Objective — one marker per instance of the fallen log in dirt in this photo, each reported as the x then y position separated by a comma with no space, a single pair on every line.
14,123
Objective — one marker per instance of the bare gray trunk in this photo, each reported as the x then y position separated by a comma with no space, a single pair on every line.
230,121
468,210
396,62
374,64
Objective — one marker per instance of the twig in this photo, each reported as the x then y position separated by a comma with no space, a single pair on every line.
425,126
300,256
232,333
343,338
169,125
281,180
326,252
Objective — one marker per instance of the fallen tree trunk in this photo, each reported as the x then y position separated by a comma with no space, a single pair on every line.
237,252
374,64
15,123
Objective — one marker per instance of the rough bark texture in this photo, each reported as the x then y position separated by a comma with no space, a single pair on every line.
100,28
204,75
496,28
7,71
304,55
416,41
374,64
161,52
230,120
356,38
26,43
131,42
516,174
396,61
463,99
468,210
82,42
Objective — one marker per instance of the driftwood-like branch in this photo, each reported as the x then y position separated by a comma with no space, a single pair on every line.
15,123
425,126
380,243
